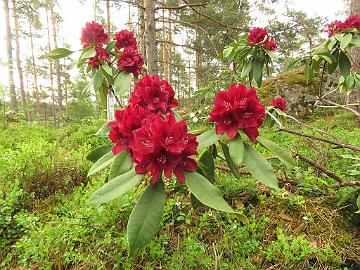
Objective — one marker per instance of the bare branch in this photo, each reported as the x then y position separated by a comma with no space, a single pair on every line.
183,6
348,184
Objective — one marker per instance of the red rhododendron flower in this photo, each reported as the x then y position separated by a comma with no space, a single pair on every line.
279,103
126,122
93,34
155,94
238,108
100,56
337,27
164,145
257,35
125,39
270,44
131,61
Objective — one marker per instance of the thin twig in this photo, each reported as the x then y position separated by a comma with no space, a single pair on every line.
321,168
348,184
183,6
339,144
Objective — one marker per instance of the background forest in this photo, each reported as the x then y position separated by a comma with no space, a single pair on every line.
51,114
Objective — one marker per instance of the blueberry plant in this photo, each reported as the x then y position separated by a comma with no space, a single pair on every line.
150,142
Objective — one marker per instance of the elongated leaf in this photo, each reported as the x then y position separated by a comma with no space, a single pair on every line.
234,169
59,53
102,163
145,218
97,153
309,72
87,53
206,192
121,164
122,83
257,71
344,64
345,41
98,79
349,82
236,150
246,69
259,167
208,138
116,187
281,153
207,165
103,131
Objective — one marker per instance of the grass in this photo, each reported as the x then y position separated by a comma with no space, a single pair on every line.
302,227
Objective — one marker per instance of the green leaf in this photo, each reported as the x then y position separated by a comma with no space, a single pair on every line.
98,79
281,153
257,71
111,45
234,169
97,153
121,164
227,51
236,150
272,55
207,165
102,163
122,83
145,218
208,138
59,53
206,192
103,92
107,73
116,187
87,53
344,64
345,41
309,73
259,167
349,82
358,204
103,131
246,69
356,42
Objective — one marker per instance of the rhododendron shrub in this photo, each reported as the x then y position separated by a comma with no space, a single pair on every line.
252,53
150,145
332,54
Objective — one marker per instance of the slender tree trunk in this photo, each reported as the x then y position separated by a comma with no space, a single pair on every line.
108,16
94,10
164,45
197,61
354,96
18,61
170,47
13,103
37,98
53,109
142,29
150,36
57,63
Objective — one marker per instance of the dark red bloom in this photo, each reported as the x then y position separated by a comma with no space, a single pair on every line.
93,34
279,103
257,35
164,145
125,39
338,27
131,61
238,108
270,44
154,94
99,58
126,122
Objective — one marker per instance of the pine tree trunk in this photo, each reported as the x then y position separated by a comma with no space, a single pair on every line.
53,109
150,36
57,63
170,48
108,16
18,61
13,103
94,10
37,98
142,29
164,45
354,96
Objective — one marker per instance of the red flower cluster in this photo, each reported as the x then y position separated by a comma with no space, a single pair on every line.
131,61
164,145
260,36
337,26
155,94
156,144
126,122
93,34
125,39
238,108
279,103
100,56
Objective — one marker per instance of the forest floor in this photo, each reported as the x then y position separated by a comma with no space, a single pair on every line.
46,221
